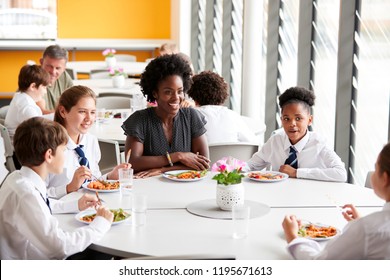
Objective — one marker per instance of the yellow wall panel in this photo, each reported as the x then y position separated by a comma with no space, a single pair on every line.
10,64
119,19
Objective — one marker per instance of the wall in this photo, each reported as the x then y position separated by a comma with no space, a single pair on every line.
115,19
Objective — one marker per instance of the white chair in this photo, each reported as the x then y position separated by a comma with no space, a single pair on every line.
240,150
3,170
113,101
125,57
99,74
367,183
110,156
8,149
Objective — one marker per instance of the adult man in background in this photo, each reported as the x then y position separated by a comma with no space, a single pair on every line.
54,62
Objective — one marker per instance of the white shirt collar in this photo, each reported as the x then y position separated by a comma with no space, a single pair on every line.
71,145
298,146
35,179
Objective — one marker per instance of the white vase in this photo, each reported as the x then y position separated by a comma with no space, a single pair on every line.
118,81
110,61
230,195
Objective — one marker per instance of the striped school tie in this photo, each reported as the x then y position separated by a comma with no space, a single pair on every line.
82,159
292,159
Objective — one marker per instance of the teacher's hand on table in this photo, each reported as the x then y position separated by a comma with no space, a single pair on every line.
195,161
148,173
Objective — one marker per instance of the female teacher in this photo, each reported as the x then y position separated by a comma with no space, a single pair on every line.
166,137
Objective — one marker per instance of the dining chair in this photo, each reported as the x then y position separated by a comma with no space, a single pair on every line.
126,57
113,101
8,149
239,150
72,73
110,155
367,183
3,170
99,74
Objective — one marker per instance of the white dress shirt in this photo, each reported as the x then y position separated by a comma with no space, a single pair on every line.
365,238
57,182
315,160
27,228
226,126
21,108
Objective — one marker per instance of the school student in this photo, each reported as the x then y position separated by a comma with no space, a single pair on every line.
27,228
363,238
295,150
32,86
76,112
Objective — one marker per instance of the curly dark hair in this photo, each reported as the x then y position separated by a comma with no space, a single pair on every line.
162,67
209,88
297,95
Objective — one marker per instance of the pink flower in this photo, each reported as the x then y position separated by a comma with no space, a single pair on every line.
116,71
109,52
228,164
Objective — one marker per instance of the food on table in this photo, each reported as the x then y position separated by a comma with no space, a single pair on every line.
317,231
103,185
191,174
265,176
119,215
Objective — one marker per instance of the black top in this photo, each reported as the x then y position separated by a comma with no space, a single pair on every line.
147,127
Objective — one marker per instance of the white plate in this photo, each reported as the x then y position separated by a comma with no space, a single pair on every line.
320,238
85,186
171,175
87,212
284,176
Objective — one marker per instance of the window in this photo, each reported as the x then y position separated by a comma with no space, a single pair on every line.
325,30
28,19
372,85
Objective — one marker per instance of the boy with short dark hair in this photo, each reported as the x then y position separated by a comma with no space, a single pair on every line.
27,228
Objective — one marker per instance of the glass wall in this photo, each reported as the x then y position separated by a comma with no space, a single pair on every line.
373,85
359,43
324,45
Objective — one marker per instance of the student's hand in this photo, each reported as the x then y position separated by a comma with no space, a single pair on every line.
290,226
148,173
87,201
288,169
114,175
105,213
194,161
351,213
80,175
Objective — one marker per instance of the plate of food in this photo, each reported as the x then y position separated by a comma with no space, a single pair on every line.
267,176
185,175
317,231
88,215
102,185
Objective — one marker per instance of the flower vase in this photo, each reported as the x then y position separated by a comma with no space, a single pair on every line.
230,195
110,61
118,81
